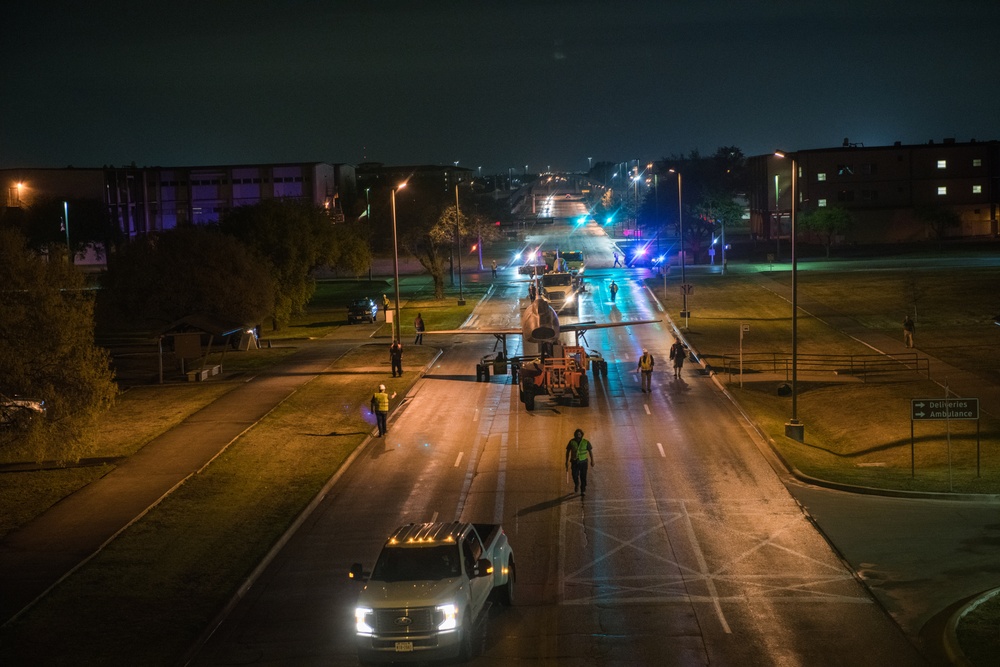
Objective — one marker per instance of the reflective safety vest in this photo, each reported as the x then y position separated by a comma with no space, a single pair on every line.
646,362
382,401
581,448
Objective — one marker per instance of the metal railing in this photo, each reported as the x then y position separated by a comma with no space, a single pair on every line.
863,366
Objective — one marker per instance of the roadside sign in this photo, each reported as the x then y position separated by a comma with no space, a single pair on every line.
745,328
944,408
687,288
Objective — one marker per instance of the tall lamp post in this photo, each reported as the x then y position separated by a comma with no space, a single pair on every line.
69,250
680,227
395,262
458,243
794,428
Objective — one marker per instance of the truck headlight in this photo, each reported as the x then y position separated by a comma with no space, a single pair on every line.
570,298
364,617
448,616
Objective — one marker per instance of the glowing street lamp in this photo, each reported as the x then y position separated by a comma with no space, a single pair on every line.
395,262
458,243
794,428
680,227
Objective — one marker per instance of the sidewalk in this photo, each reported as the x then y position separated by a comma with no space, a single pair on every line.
37,556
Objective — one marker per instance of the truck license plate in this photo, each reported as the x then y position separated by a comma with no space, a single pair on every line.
404,647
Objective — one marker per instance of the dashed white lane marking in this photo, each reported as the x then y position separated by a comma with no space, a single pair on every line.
660,447
646,406
459,459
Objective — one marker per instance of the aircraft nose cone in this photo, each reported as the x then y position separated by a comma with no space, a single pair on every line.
543,333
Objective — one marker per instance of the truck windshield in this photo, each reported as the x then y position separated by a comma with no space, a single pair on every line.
417,563
557,279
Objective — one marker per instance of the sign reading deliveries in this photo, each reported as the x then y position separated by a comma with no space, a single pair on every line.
944,408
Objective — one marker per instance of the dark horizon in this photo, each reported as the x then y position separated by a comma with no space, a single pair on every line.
545,84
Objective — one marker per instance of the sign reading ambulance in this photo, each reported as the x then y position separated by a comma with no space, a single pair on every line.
944,408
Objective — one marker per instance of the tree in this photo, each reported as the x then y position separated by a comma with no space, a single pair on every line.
189,270
296,237
351,250
47,349
43,224
827,223
938,218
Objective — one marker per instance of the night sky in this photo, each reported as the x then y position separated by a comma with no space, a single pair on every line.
488,84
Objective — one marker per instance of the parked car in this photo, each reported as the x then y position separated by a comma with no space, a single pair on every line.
18,411
361,310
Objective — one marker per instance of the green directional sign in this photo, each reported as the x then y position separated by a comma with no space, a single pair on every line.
944,408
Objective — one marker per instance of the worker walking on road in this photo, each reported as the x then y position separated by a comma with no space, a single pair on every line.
396,358
418,326
677,354
494,267
579,455
617,263
645,369
385,307
380,406
613,288
908,328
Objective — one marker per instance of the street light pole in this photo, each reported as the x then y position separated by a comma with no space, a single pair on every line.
794,428
458,243
680,227
69,250
395,262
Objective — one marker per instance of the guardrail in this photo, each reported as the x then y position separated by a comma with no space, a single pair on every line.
864,366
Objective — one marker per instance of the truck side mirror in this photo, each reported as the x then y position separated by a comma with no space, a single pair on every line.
484,568
356,572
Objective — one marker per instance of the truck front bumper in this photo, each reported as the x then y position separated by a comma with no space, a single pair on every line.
411,648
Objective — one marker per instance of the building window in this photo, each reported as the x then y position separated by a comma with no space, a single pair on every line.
845,170
821,176
977,189
976,162
942,189
942,164
821,203
845,195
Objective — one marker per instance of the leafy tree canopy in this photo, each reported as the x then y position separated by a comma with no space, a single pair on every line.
296,237
187,271
47,347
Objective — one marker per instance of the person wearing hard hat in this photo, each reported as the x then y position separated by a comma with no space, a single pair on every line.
579,455
380,406
645,369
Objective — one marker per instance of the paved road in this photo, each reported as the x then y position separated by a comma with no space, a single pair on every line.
687,550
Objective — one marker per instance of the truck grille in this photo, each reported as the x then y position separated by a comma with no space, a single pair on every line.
404,621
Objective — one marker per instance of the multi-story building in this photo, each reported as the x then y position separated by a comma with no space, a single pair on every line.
143,200
885,188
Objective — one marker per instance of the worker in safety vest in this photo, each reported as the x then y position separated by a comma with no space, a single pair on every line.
645,369
579,455
380,406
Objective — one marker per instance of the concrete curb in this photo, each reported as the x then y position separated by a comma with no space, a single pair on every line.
950,638
952,648
303,516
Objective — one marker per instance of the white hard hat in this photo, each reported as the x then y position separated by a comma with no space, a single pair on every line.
381,387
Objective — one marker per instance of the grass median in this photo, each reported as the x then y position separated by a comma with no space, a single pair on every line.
858,432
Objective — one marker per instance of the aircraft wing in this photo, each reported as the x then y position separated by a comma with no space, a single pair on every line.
496,331
587,326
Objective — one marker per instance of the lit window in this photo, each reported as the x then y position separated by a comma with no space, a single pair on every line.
821,203
942,164
976,162
821,176
977,189
942,189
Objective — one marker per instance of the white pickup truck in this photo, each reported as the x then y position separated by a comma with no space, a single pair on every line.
429,590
